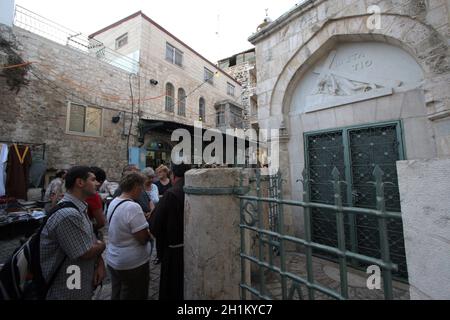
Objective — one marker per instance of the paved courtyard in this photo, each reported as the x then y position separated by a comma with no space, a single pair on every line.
326,274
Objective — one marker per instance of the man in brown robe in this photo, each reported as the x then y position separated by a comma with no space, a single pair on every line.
18,171
167,225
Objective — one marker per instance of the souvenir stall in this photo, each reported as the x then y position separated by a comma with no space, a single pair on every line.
18,216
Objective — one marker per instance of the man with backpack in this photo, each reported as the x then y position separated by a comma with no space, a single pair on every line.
70,254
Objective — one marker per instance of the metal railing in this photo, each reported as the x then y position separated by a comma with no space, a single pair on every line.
252,220
37,24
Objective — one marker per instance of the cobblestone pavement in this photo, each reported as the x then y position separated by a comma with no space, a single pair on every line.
326,274
7,247
104,293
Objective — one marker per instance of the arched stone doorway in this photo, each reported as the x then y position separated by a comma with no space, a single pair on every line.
353,108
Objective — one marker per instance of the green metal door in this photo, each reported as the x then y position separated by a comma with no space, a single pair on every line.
355,152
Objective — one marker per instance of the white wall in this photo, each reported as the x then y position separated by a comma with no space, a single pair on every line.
426,225
7,12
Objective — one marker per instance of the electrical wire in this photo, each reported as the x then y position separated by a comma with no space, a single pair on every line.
17,65
131,122
116,98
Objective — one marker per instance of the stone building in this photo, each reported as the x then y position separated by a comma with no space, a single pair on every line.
67,105
242,67
354,84
111,98
195,89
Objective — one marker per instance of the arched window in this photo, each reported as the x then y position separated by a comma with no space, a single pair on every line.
201,110
181,102
170,97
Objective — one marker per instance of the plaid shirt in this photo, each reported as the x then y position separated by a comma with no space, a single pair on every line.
68,233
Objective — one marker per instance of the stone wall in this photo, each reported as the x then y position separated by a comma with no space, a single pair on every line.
307,32
38,113
426,225
291,46
245,73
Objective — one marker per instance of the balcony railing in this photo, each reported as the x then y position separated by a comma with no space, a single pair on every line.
37,24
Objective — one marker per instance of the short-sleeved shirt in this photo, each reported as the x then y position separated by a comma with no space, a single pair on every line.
153,194
94,202
124,252
68,234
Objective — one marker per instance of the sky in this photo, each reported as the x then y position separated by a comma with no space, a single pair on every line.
216,29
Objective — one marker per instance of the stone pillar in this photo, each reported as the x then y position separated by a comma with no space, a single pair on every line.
424,193
212,265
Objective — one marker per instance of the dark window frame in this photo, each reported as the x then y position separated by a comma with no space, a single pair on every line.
208,76
119,40
174,55
170,97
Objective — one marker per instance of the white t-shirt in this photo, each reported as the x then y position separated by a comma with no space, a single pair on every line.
124,251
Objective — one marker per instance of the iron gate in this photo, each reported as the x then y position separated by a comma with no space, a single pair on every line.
356,152
334,220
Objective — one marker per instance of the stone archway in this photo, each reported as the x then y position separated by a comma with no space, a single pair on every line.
429,50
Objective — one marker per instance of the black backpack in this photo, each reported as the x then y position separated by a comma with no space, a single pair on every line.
21,277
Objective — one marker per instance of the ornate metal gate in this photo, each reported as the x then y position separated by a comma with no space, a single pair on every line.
351,215
356,152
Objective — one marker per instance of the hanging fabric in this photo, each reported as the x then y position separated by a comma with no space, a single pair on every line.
21,157
18,170
3,160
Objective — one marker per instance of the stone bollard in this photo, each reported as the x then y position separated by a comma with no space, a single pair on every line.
212,265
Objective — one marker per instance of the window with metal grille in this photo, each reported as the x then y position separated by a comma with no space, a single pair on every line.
201,110
122,41
230,89
220,116
181,102
236,117
173,55
355,152
170,97
84,120
208,76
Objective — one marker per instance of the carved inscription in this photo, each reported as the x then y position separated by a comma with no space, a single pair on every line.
357,61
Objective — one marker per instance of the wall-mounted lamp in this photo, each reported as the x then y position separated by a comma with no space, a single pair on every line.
116,119
154,82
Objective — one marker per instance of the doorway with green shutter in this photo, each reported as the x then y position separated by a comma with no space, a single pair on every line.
355,152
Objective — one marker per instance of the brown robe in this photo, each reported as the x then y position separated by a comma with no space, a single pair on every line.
17,174
167,225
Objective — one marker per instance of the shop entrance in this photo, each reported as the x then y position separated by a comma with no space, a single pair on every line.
158,153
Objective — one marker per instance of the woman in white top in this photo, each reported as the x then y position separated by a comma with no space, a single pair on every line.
128,250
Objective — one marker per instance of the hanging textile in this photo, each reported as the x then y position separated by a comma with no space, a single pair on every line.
18,170
3,160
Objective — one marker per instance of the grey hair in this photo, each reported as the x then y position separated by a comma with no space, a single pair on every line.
148,172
